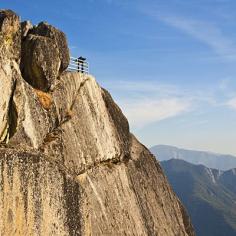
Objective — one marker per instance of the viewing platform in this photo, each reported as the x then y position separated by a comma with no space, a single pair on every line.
79,64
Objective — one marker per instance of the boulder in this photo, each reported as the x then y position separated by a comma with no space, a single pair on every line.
40,61
46,30
26,26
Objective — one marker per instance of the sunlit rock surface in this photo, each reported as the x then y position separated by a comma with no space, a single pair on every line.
26,26
58,37
10,49
68,163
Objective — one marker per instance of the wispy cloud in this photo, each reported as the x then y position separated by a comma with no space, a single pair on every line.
146,86
204,31
147,102
144,112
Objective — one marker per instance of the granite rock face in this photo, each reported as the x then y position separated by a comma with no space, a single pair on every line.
68,162
10,35
10,49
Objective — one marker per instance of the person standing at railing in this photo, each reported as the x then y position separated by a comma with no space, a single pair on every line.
81,61
78,64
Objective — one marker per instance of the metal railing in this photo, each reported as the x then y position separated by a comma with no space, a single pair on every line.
78,65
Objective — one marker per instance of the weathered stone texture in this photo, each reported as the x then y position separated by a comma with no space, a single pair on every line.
10,36
46,30
35,118
87,116
36,196
85,148
45,55
68,163
10,48
123,199
40,62
40,197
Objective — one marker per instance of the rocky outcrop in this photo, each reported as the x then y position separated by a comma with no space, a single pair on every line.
45,55
58,37
69,165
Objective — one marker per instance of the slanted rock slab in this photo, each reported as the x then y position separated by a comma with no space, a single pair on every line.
10,48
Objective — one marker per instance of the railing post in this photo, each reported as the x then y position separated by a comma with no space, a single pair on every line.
78,65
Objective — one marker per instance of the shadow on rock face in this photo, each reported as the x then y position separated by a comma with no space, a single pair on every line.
40,61
13,116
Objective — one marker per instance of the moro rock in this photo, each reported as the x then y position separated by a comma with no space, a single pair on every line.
68,162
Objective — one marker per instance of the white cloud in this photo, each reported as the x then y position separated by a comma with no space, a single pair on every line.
147,102
141,113
232,103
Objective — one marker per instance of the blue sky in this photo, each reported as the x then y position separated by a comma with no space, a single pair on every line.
169,64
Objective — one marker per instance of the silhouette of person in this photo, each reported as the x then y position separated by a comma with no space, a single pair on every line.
81,61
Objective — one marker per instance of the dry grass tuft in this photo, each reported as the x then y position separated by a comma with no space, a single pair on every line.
69,114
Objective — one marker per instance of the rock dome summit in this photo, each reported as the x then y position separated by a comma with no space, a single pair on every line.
68,162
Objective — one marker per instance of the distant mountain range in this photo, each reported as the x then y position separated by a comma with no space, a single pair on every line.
211,160
208,194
